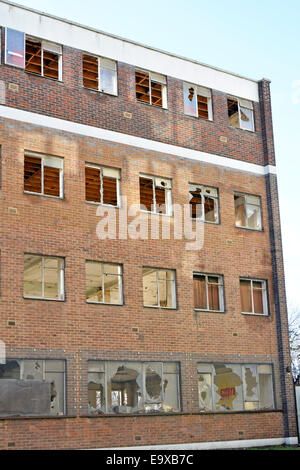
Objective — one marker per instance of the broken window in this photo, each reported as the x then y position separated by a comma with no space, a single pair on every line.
155,194
43,277
240,113
159,288
43,58
204,203
197,101
14,48
32,387
43,175
133,387
102,185
99,74
254,296
208,292
247,211
104,283
235,387
151,88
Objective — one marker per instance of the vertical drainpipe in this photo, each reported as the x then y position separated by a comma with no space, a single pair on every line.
278,279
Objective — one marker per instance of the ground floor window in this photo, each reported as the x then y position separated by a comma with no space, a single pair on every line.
235,387
32,387
133,387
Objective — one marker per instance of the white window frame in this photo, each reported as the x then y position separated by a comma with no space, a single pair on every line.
220,285
102,170
173,288
101,66
264,290
5,49
157,78
54,162
60,277
50,47
156,181
200,91
242,103
247,196
120,276
204,188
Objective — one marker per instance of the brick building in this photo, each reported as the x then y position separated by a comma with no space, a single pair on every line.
117,336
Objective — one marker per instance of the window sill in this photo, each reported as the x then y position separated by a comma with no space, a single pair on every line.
43,298
209,311
103,303
28,417
241,129
250,229
101,92
44,195
205,221
160,308
267,315
155,213
177,413
94,203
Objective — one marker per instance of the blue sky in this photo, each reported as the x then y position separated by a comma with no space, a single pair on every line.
257,38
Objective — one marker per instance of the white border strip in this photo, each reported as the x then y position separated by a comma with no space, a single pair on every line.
126,139
214,445
64,32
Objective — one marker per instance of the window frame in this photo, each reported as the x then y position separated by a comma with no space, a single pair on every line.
265,297
168,195
45,362
215,198
44,157
246,195
44,48
99,59
142,365
154,77
60,278
118,185
208,368
242,103
221,292
120,278
173,288
199,91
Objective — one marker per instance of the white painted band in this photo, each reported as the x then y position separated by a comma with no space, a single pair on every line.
214,445
80,37
126,139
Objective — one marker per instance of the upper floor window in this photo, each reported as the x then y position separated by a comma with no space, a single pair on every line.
204,203
240,113
32,387
208,292
155,194
34,55
235,387
43,58
43,277
254,296
99,74
102,185
159,288
104,283
197,101
151,88
247,211
43,174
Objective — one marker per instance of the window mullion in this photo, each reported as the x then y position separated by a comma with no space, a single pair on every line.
42,176
206,287
150,94
103,274
157,288
99,74
252,297
43,277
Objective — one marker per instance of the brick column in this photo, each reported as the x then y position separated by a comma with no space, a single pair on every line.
286,381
